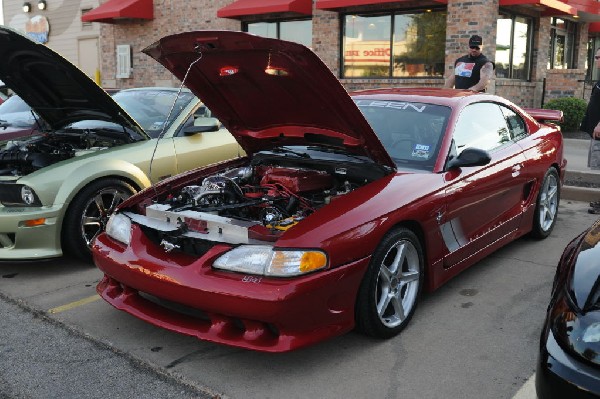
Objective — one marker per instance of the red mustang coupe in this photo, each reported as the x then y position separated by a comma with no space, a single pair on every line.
346,208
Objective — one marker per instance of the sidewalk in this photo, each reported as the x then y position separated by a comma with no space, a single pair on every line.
581,183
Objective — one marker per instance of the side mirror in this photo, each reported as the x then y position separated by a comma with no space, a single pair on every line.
202,125
469,157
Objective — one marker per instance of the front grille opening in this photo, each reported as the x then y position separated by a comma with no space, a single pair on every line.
189,246
176,307
234,327
7,240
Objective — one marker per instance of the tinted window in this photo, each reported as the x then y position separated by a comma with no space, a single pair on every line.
410,132
481,126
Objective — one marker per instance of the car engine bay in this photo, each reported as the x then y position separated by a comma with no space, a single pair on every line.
22,157
254,203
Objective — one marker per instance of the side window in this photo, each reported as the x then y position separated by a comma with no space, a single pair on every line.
482,126
516,124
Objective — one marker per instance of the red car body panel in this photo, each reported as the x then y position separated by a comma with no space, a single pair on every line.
460,215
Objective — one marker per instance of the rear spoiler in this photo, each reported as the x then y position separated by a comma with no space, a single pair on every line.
545,115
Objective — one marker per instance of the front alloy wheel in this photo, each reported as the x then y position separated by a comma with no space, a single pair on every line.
89,212
546,208
390,290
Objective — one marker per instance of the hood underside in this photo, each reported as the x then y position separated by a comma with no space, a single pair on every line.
53,87
268,92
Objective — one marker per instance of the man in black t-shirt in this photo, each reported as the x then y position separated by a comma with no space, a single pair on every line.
472,71
591,125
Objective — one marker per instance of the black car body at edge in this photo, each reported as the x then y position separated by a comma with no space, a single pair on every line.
569,360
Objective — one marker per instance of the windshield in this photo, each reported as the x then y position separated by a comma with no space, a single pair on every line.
16,113
410,132
150,108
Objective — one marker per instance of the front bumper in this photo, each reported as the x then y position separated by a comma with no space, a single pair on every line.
184,294
559,375
19,242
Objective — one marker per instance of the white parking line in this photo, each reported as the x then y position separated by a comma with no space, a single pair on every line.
527,391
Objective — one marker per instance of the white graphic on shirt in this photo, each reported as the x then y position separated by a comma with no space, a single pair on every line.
464,69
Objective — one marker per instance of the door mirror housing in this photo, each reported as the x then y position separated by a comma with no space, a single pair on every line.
469,157
202,125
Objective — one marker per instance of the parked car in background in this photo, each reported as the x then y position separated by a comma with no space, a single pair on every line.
17,119
569,359
58,189
345,209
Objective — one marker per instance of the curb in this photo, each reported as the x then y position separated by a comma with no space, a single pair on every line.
581,186
585,194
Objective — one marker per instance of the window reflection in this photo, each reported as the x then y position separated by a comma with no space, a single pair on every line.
512,47
482,126
394,45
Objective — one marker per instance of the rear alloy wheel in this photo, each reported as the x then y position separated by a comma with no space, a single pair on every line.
89,212
546,207
391,287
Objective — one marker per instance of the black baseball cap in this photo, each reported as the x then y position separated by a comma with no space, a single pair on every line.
475,41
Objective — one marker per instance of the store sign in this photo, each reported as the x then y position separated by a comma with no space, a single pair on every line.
38,28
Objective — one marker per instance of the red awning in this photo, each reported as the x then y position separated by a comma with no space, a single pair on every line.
589,6
587,10
551,7
333,4
594,27
114,10
242,8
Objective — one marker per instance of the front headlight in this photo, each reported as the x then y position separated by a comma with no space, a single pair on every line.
18,195
27,195
578,332
119,228
266,261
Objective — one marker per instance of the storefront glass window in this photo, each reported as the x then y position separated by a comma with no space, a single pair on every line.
264,29
562,41
295,31
394,45
513,37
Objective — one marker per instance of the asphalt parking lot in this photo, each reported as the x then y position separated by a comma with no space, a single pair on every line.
476,337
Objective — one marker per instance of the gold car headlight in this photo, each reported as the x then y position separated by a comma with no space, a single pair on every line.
266,261
119,228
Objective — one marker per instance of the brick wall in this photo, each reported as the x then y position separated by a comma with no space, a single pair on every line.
464,18
169,18
326,38
564,83
467,18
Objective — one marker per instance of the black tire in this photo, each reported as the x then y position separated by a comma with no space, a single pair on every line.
397,294
546,207
88,213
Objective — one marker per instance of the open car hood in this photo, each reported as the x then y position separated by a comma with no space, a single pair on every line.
268,92
53,87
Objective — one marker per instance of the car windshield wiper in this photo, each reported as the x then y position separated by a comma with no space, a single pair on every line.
286,150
